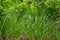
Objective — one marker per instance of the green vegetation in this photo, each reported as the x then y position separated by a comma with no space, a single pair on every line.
30,20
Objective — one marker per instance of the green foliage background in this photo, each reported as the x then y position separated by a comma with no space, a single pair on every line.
31,18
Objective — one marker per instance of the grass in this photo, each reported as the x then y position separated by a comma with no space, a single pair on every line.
28,22
26,26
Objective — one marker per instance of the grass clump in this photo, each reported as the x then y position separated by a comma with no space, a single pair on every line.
29,20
